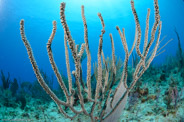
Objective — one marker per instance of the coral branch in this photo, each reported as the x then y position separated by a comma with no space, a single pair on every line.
88,54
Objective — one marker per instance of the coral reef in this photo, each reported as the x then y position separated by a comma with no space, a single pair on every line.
157,96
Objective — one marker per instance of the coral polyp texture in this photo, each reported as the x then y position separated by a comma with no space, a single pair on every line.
109,97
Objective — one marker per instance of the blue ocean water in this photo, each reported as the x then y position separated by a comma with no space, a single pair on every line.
38,17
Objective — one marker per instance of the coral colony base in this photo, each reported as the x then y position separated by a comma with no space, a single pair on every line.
109,99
